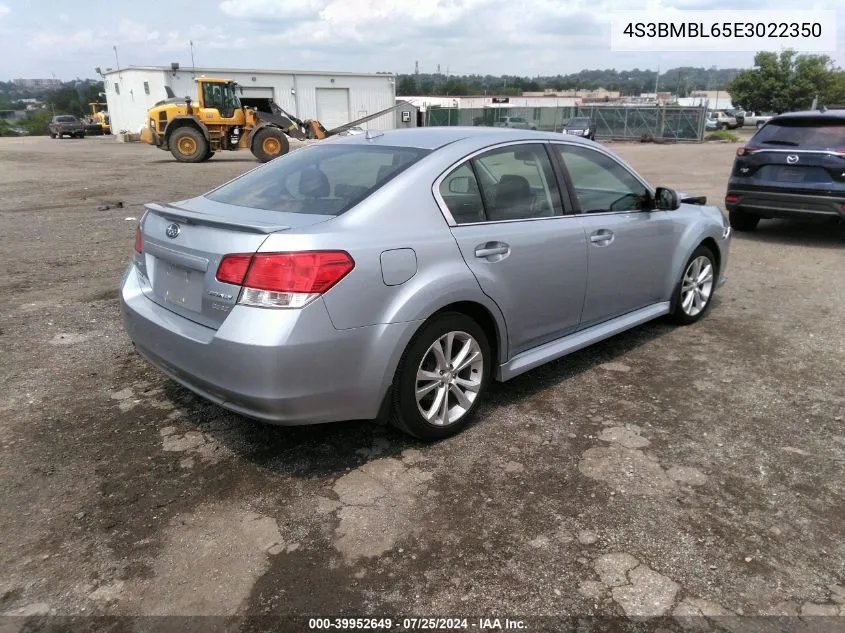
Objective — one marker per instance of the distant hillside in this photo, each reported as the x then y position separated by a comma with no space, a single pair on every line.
681,81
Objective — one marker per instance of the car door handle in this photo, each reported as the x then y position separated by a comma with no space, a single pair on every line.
602,237
491,249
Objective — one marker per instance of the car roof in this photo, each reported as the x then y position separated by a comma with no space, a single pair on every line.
811,114
432,138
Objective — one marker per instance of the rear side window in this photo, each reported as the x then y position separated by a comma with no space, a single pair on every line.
511,183
320,180
809,132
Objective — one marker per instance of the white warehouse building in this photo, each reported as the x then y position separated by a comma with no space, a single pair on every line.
331,98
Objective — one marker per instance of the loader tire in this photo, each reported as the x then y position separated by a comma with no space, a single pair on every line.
188,145
270,143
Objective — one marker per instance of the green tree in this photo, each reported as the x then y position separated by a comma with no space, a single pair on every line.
36,125
835,95
781,83
407,86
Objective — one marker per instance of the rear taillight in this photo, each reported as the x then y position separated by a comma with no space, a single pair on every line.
284,280
731,199
745,151
232,269
139,240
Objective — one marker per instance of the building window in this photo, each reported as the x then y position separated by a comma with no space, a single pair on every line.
146,87
116,88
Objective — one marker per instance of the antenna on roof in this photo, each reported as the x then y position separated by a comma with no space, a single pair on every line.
371,134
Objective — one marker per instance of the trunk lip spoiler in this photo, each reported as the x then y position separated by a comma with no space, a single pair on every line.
188,216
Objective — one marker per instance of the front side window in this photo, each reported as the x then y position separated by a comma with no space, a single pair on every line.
319,180
601,184
516,182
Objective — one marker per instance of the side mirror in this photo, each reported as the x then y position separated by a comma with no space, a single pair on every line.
666,199
460,184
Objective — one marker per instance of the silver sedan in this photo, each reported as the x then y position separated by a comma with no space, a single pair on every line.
395,275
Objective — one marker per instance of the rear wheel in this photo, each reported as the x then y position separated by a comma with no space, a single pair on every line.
742,221
442,377
188,145
208,154
694,292
270,143
52,135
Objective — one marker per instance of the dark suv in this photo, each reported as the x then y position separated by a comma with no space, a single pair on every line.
793,167
66,125
580,126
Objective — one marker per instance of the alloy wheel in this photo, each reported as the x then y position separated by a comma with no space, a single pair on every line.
697,286
449,378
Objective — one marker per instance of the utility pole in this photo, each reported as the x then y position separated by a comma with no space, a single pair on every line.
117,61
656,82
193,65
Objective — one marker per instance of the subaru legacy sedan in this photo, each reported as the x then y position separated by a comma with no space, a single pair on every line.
394,275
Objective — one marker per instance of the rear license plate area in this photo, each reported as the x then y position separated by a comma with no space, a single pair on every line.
790,174
179,286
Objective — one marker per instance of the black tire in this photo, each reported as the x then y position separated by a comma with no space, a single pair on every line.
52,135
678,313
406,414
742,221
722,126
270,143
208,154
188,145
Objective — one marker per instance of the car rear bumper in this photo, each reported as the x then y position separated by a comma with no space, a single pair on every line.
775,204
287,367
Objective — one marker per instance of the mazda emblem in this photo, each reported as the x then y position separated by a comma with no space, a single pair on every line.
792,159
172,230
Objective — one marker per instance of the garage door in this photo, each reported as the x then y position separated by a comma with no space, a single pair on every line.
333,106
255,92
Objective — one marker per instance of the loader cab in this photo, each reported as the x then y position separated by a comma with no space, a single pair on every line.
220,96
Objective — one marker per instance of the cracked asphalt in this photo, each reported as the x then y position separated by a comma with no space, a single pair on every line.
695,474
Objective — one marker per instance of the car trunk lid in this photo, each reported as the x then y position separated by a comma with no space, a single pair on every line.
183,243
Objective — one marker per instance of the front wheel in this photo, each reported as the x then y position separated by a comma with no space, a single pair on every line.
442,377
269,143
694,292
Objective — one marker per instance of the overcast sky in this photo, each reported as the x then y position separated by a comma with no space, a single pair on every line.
41,38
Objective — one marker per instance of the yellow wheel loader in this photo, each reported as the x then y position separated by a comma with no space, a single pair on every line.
218,121
98,120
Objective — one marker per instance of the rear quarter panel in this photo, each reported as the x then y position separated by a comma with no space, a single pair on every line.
401,215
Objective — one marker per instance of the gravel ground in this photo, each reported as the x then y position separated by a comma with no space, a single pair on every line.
679,472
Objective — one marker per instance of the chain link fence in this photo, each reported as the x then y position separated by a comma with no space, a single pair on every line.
632,122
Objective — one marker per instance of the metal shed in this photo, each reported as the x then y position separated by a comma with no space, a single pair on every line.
332,98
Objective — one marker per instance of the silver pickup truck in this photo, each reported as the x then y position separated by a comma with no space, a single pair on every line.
755,119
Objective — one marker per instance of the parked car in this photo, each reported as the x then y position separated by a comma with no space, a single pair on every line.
756,119
516,122
722,120
793,167
580,126
739,115
66,125
396,276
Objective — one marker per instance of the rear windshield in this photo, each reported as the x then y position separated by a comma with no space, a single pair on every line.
324,179
65,119
819,133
